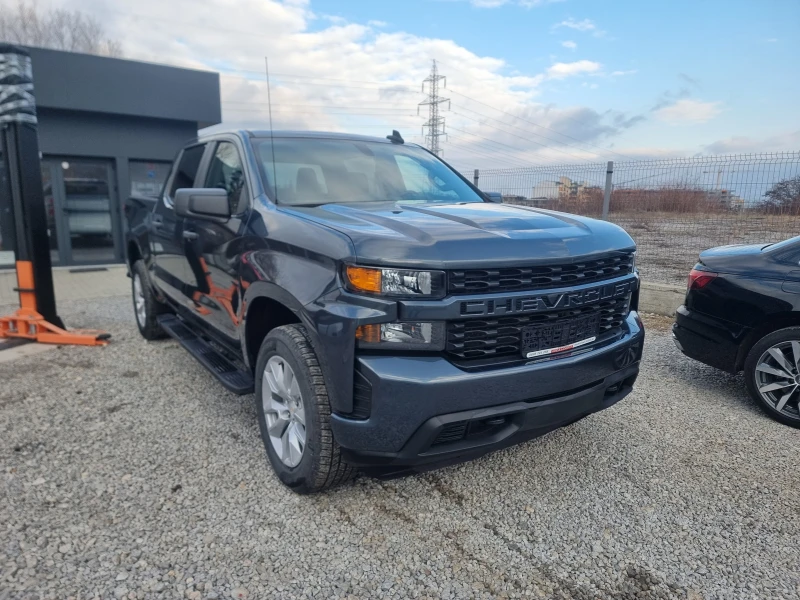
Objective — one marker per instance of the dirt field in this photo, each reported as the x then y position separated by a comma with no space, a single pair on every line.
670,243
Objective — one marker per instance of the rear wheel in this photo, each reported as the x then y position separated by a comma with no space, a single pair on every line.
145,305
772,374
294,413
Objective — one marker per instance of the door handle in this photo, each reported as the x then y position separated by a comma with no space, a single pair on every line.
190,235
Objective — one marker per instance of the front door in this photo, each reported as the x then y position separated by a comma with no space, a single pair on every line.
213,248
83,218
167,244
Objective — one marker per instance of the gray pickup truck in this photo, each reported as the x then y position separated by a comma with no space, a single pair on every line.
388,315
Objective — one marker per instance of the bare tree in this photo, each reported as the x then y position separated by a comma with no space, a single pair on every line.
784,197
60,29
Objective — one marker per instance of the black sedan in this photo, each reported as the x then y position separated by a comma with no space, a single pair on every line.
742,313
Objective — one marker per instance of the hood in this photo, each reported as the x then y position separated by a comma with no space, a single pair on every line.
464,234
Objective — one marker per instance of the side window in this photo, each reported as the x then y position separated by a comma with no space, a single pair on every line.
791,257
186,170
225,172
420,181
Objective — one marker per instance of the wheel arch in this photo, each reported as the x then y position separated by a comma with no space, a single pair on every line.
266,306
769,324
133,252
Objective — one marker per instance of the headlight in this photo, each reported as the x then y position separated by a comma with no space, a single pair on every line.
401,336
395,282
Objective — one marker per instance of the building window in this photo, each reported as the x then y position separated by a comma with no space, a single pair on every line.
147,177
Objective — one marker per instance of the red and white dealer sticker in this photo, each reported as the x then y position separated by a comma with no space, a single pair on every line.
550,351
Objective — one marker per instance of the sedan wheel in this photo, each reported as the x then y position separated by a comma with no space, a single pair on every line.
777,378
284,411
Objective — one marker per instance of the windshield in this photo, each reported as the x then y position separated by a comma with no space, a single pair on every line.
323,171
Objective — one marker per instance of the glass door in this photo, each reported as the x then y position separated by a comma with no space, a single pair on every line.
48,180
85,215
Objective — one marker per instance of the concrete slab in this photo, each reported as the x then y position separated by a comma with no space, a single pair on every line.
661,299
12,350
74,283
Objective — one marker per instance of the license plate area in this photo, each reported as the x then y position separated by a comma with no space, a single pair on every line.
559,336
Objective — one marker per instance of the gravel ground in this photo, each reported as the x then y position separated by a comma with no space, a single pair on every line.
127,472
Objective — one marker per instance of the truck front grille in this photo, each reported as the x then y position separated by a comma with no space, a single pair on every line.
482,338
550,276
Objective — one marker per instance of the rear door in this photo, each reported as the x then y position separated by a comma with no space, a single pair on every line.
213,248
166,232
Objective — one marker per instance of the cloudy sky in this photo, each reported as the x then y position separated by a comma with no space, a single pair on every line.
528,80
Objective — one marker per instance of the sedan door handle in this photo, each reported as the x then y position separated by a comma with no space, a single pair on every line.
190,235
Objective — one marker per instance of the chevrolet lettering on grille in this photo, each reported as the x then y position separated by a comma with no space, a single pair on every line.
545,302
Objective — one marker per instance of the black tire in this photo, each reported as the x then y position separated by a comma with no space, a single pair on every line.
790,415
147,323
321,466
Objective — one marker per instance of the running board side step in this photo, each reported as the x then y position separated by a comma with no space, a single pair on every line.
237,381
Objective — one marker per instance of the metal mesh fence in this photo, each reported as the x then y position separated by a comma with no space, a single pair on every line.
673,208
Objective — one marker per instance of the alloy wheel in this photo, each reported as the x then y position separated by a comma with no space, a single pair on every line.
777,378
139,305
284,411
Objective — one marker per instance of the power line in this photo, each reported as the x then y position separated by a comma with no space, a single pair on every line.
496,153
487,140
483,155
353,87
378,112
538,125
514,135
250,103
525,130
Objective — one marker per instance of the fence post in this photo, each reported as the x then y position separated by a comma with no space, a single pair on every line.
607,194
475,177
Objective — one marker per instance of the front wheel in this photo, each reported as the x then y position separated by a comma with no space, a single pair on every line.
294,413
146,307
772,374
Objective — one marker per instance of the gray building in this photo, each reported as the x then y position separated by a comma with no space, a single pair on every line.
109,128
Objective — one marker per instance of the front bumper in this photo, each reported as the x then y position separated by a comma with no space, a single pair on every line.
420,403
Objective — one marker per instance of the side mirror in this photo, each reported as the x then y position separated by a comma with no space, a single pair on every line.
210,204
494,197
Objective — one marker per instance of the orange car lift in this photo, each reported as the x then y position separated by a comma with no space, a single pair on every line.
22,197
28,324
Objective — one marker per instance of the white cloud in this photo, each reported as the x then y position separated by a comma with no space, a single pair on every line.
374,23
585,25
562,70
335,19
688,111
569,44
488,3
623,73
